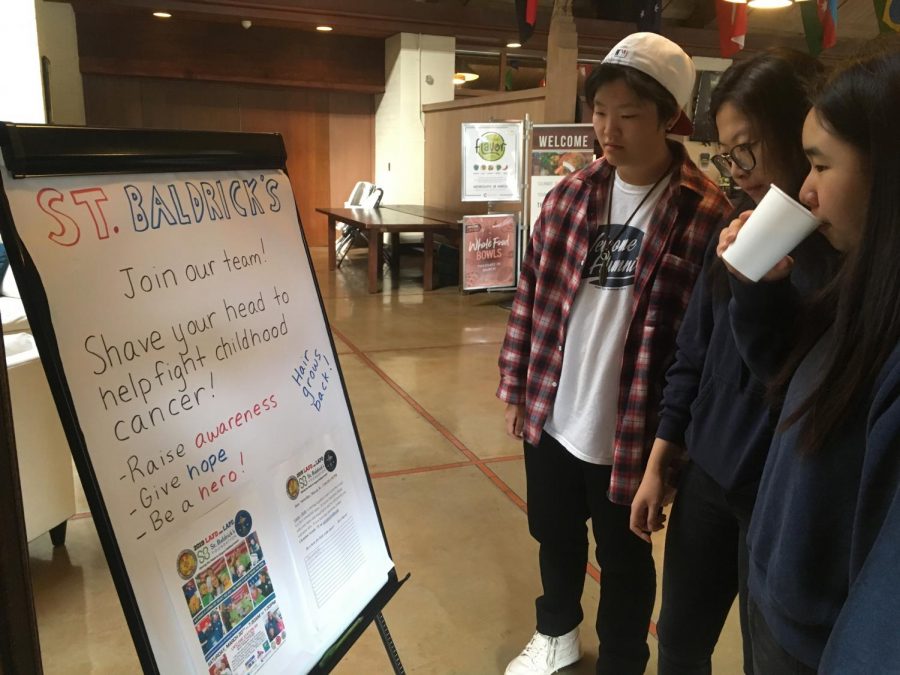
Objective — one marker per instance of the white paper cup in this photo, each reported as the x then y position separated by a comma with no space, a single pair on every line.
774,229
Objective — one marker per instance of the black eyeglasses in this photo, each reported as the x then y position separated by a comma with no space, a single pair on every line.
740,155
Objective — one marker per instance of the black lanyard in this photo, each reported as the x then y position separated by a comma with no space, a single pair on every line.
607,257
612,185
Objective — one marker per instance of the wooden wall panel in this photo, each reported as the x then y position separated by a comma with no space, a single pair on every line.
139,45
112,101
175,104
301,116
443,137
352,143
330,138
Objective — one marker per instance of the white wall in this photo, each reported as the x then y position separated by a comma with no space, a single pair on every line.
58,41
21,98
410,62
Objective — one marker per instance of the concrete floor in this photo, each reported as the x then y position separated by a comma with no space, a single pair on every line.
421,370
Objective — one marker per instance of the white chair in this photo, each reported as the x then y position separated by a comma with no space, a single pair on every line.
360,191
364,195
373,199
348,233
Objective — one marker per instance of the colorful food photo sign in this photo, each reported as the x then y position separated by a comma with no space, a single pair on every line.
556,151
492,162
490,252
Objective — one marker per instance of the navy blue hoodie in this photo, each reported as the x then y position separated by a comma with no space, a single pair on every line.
713,405
825,534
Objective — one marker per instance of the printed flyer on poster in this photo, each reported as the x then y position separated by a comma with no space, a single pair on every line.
320,511
490,251
556,151
198,358
492,162
229,605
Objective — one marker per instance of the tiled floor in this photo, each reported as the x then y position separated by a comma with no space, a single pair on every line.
421,373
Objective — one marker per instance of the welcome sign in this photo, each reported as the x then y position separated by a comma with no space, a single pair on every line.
557,150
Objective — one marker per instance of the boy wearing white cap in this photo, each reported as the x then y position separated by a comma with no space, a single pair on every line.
605,282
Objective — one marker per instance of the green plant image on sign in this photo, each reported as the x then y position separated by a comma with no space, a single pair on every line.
490,146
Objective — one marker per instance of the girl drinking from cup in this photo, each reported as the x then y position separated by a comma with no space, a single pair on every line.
713,407
824,540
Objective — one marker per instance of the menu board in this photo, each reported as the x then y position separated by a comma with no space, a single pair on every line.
215,423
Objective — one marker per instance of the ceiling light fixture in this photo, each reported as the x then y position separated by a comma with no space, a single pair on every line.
162,15
462,78
513,45
324,29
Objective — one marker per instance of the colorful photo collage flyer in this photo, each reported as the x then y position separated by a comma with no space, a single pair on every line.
229,595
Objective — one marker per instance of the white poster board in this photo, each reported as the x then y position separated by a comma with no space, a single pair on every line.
492,162
203,378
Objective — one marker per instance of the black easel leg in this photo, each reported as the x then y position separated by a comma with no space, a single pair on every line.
58,534
389,644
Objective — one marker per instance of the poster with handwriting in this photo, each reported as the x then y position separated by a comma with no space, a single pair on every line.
204,382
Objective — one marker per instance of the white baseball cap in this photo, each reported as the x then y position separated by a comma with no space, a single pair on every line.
665,62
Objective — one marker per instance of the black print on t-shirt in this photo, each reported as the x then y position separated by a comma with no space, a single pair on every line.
619,256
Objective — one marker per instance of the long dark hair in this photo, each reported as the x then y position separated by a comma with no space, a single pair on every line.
860,105
773,89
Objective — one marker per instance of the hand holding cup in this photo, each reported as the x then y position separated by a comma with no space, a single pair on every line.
756,245
727,237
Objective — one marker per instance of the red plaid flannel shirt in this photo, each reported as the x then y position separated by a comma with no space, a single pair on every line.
531,359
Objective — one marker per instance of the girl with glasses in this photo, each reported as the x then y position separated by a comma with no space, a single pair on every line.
714,411
740,156
824,540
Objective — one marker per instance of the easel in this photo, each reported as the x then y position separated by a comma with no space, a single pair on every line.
53,151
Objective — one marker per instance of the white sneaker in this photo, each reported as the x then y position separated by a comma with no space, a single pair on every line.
544,655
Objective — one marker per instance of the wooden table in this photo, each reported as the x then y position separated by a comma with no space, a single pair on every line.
392,220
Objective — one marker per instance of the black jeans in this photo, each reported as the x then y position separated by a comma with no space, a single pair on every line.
563,492
705,567
768,656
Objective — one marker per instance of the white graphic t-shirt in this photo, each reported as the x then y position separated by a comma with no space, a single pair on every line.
583,418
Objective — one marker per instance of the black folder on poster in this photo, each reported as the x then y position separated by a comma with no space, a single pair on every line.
170,289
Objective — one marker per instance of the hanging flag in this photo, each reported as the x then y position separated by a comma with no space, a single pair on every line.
888,14
649,18
732,20
526,17
819,24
